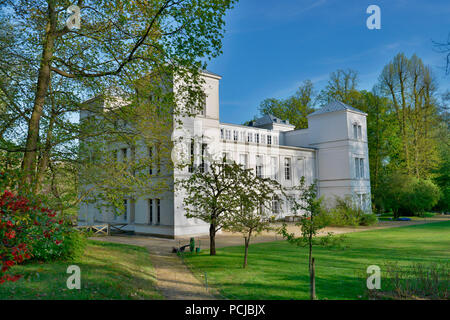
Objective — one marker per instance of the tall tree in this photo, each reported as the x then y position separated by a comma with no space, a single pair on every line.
118,43
295,108
412,89
341,86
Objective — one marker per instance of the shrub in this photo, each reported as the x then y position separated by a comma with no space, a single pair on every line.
29,230
346,213
405,195
368,219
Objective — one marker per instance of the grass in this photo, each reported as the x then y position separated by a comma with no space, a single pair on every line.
389,216
279,270
108,271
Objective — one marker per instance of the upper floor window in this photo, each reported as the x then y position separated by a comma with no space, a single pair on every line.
235,135
222,136
250,137
242,136
275,140
228,134
287,168
357,131
269,139
257,137
191,162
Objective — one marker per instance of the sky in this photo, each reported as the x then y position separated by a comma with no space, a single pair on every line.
271,46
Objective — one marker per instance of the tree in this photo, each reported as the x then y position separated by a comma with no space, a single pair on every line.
254,201
53,68
412,88
295,108
309,206
341,86
211,195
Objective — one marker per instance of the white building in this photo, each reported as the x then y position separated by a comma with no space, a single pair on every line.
333,151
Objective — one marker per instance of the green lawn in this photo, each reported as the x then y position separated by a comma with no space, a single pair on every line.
278,270
108,271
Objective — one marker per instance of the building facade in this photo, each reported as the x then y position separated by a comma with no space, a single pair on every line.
333,151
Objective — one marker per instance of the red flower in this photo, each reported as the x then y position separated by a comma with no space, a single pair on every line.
58,242
9,224
9,263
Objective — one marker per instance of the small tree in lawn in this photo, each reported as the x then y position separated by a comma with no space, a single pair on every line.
309,206
254,202
210,196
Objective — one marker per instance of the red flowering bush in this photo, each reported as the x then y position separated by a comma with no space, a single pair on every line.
28,230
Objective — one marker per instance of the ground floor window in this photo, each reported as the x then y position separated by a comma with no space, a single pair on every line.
150,211
158,211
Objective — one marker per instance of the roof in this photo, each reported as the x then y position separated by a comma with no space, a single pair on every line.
333,107
207,72
268,119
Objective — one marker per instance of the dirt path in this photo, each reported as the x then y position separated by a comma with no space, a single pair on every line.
176,282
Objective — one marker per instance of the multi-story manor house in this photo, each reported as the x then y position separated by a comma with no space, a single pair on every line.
332,151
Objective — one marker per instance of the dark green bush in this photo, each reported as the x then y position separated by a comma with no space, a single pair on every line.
405,195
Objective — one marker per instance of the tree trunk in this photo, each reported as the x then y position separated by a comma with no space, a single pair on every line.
312,278
212,239
31,146
247,242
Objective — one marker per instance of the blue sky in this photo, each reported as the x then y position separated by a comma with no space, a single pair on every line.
271,46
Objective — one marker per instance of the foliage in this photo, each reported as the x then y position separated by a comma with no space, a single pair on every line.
294,108
406,195
47,71
415,281
346,212
29,230
310,207
211,195
255,197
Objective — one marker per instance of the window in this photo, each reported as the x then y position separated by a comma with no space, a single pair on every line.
259,167
257,137
203,163
133,158
275,140
203,106
191,163
158,158
275,206
150,157
359,168
242,136
359,132
243,160
263,138
158,211
150,211
355,131
222,134
250,137
226,157
124,154
274,167
125,204
269,139
228,134
287,169
235,135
